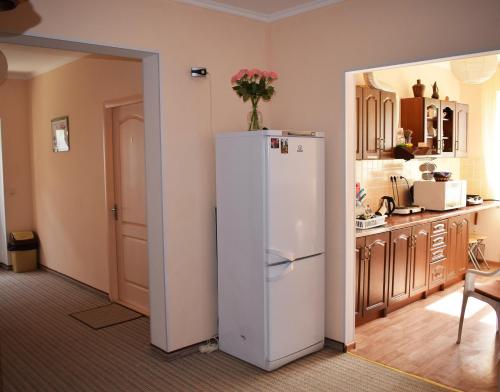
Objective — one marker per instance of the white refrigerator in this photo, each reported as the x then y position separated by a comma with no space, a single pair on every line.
271,244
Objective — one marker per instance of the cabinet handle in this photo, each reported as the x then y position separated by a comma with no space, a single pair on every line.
381,143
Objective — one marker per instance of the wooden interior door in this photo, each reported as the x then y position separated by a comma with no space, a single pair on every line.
420,259
130,206
388,123
399,265
376,273
371,123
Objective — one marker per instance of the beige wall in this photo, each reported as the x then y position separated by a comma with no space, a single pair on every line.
15,115
68,188
311,52
473,167
184,36
314,50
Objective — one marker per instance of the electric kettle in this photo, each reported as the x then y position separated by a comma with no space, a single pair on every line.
386,206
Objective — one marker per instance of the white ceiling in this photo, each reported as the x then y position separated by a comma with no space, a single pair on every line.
26,62
263,10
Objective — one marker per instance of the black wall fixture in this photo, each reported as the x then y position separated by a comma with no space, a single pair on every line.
7,5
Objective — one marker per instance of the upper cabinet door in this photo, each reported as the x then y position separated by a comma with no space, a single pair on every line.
446,143
388,123
462,126
432,133
371,123
359,122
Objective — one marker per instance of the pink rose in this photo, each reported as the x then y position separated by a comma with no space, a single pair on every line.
273,75
254,72
265,74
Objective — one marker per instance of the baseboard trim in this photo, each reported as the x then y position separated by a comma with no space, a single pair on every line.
176,354
74,281
335,345
5,267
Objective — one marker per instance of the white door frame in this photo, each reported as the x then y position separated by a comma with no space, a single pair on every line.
350,174
4,256
155,165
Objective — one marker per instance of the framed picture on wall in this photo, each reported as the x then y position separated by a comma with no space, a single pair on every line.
60,134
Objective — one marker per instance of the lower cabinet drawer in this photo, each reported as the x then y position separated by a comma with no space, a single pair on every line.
436,274
438,254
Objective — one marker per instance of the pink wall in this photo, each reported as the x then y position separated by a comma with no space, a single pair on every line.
311,52
68,188
15,115
184,36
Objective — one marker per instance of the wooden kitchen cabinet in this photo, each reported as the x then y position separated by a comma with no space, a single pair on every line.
370,123
423,117
458,242
372,274
439,127
388,124
359,122
408,263
360,259
376,115
461,129
399,266
419,272
446,143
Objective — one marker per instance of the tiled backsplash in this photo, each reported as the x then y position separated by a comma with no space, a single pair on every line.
374,176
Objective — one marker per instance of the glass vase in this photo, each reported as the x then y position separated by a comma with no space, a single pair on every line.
254,119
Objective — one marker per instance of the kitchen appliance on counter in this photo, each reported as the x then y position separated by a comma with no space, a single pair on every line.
474,200
386,206
440,195
271,245
400,208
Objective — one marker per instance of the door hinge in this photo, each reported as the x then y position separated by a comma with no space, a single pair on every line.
114,211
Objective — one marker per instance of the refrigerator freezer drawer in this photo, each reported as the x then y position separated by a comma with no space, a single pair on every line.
296,306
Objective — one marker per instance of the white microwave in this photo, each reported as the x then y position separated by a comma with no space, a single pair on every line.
440,196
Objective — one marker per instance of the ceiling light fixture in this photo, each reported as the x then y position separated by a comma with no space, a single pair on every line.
7,5
475,70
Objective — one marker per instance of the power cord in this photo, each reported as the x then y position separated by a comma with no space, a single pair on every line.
210,345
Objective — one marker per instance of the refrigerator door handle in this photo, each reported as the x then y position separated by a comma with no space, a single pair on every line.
285,255
274,277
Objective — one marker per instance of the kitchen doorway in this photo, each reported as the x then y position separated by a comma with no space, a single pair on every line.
412,303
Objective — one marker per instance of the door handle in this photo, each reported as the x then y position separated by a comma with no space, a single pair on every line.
114,211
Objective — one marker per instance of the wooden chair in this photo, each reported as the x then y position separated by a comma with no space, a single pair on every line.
488,292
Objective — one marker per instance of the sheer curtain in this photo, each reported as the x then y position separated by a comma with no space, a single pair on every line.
490,105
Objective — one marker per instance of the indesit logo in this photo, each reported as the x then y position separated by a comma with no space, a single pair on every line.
299,148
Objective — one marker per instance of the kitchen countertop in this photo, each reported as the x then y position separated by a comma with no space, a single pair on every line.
401,221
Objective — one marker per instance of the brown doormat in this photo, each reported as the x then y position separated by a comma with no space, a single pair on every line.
106,316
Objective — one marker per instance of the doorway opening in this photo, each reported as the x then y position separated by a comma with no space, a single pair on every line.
405,276
151,253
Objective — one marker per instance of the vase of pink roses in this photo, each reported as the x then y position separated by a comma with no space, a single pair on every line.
254,85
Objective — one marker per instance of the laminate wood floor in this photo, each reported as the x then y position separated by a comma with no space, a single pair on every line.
421,339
